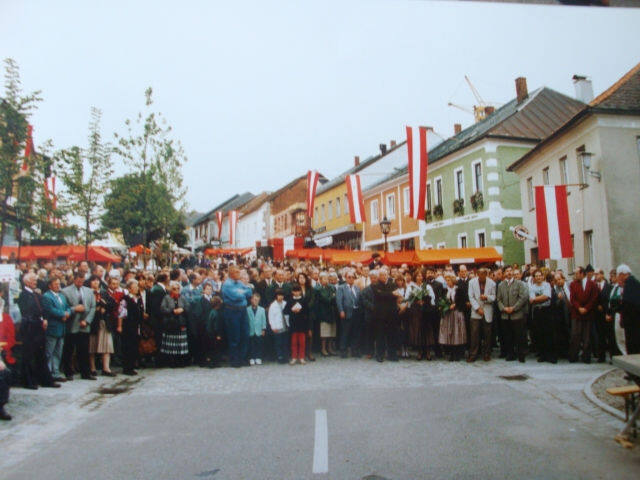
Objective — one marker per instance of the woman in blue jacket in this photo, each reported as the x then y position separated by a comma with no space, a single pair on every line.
56,313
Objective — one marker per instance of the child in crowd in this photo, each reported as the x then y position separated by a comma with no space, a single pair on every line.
298,310
257,329
278,323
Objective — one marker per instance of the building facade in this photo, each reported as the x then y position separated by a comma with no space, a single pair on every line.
597,153
253,222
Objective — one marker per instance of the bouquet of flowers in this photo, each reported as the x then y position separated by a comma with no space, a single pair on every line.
418,294
444,305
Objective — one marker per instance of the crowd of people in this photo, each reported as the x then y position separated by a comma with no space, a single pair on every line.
81,319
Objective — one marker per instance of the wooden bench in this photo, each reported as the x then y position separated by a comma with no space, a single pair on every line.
629,393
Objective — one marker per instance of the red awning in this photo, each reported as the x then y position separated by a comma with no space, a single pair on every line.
444,256
398,258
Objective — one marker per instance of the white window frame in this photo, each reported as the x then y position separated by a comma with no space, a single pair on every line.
477,187
391,212
564,170
338,209
438,183
466,240
583,175
477,234
441,245
545,176
375,212
530,196
406,200
589,250
428,246
346,204
330,210
428,193
459,195
322,213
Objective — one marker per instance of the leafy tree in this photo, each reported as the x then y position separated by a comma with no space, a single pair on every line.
124,210
155,160
85,177
15,109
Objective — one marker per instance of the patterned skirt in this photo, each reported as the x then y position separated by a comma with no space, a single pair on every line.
101,342
175,344
452,329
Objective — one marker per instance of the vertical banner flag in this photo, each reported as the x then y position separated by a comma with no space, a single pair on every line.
219,219
50,194
356,202
28,149
552,218
233,221
417,152
312,184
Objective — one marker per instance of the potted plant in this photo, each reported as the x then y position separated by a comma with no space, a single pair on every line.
477,201
428,216
438,212
458,206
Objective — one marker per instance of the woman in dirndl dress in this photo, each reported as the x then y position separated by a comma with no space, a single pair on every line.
420,333
453,333
174,346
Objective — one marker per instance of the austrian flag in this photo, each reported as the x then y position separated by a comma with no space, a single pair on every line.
417,152
552,218
356,202
312,184
219,220
233,221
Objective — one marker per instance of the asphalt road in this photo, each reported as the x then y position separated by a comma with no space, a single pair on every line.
396,421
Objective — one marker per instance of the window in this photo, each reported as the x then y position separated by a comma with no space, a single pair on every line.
442,245
462,240
480,239
564,171
346,205
405,200
322,216
459,179
337,207
316,216
545,176
330,210
438,191
477,177
588,248
375,218
532,203
429,196
391,206
582,171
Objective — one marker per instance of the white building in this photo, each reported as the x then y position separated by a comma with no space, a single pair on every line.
253,222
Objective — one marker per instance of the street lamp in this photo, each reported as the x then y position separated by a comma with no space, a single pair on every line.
385,227
586,158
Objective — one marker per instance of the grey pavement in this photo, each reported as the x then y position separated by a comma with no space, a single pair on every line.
405,420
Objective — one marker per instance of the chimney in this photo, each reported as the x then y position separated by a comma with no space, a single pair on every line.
383,148
356,160
521,89
489,110
392,144
584,88
457,128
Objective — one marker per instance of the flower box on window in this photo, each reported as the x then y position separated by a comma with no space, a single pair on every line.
458,206
438,212
477,201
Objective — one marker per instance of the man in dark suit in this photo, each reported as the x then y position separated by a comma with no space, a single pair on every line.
385,317
33,328
348,301
584,295
630,308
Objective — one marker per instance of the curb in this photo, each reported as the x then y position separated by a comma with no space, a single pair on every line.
588,392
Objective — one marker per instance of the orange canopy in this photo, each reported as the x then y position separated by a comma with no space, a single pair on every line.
139,249
348,256
443,256
398,258
51,252
227,251
96,254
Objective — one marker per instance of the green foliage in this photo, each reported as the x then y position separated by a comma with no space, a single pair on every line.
477,201
458,206
438,211
85,175
124,210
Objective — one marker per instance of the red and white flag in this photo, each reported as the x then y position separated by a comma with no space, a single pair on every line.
219,219
356,202
233,221
418,159
312,184
29,148
552,218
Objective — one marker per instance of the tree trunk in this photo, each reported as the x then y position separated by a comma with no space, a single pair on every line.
86,240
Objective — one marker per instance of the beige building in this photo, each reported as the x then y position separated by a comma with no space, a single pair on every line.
597,153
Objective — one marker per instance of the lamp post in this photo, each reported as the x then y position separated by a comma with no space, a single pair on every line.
385,228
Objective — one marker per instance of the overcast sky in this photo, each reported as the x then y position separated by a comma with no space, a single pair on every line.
260,92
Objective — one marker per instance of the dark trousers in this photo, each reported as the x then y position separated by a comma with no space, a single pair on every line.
351,332
281,344
515,341
237,327
606,340
34,358
130,341
545,322
580,336
78,342
5,381
367,336
256,343
480,330
386,337
632,336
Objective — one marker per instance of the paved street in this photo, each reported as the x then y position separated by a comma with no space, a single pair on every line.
406,420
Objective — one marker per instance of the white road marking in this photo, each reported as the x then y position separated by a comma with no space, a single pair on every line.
321,444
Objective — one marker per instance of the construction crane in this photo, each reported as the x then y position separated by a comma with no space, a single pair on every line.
480,111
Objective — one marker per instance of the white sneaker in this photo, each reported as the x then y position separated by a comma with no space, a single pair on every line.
252,362
302,361
292,361
258,361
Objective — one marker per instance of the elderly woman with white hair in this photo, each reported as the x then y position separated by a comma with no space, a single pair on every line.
175,347
629,308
